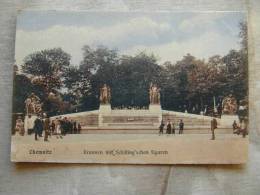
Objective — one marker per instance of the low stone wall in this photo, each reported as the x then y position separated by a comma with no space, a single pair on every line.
141,121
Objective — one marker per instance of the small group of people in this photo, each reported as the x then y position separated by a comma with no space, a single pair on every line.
63,125
171,127
240,128
42,124
59,127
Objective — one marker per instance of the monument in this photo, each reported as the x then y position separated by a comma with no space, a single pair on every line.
105,106
229,111
129,118
155,105
33,107
105,98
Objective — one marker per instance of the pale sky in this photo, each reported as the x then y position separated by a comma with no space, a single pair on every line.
169,35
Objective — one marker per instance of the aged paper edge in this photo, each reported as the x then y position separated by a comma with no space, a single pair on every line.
164,150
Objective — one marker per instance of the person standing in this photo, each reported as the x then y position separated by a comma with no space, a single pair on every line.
41,129
66,126
46,127
161,128
58,130
30,123
63,126
75,129
71,129
181,127
79,128
38,127
235,126
19,126
173,128
52,127
244,128
213,125
168,127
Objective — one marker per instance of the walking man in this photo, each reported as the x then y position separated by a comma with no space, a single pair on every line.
46,127
161,128
79,128
244,128
181,127
214,125
38,127
30,123
75,129
168,127
173,128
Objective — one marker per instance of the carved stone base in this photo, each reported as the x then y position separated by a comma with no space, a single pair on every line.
105,108
155,108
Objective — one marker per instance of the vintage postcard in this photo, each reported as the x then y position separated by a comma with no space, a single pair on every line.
131,87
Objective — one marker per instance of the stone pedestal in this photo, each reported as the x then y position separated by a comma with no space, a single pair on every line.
104,109
157,110
227,120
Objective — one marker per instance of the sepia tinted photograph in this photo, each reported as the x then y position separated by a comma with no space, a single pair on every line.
130,87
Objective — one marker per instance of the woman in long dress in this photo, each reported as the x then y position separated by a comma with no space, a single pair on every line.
57,129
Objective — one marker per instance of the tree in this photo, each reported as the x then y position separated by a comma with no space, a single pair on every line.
47,67
132,78
243,34
22,89
46,71
77,85
176,84
235,74
98,65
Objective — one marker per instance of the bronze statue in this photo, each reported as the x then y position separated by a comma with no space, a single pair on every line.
229,105
105,94
154,94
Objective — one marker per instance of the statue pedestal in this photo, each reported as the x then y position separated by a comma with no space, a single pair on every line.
227,120
104,109
155,108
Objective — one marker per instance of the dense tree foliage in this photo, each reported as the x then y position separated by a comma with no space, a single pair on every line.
189,84
132,78
44,71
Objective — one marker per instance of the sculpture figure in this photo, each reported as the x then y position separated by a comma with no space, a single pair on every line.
229,105
154,94
105,94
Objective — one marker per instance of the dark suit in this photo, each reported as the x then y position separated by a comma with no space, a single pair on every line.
214,125
181,127
46,127
79,128
173,128
75,129
161,128
38,127
169,128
